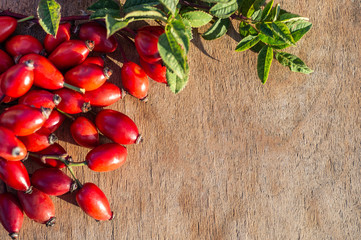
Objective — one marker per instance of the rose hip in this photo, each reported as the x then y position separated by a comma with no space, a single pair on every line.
135,80
21,45
84,132
18,79
87,76
106,157
72,102
98,33
11,148
39,140
97,60
117,126
46,75
54,149
71,53
38,206
8,26
146,43
53,122
5,61
155,71
40,98
94,202
24,120
15,175
52,181
104,96
11,214
63,34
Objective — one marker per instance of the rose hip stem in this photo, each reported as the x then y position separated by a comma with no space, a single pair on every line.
66,114
64,159
123,53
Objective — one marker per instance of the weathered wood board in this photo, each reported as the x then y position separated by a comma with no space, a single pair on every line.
228,158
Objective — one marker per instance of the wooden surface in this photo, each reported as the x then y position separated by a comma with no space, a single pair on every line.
229,158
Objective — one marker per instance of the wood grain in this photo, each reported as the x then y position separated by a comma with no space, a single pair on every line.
229,158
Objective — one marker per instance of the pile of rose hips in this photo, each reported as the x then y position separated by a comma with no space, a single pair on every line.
43,86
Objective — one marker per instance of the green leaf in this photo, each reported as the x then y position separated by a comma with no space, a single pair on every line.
300,30
217,30
102,8
256,5
188,26
171,5
146,13
272,41
224,10
266,30
256,16
245,29
49,16
197,18
175,83
267,9
290,17
113,25
264,62
294,63
178,30
216,1
102,13
139,7
247,43
134,3
281,30
104,4
172,54
275,13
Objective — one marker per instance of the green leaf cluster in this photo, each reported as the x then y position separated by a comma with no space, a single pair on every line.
265,28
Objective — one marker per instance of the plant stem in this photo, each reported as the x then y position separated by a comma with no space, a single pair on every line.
25,19
77,89
66,114
77,164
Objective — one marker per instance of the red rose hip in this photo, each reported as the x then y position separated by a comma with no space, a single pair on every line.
5,61
18,79
15,175
24,120
106,157
84,132
98,33
155,71
46,75
39,140
20,45
38,206
71,53
135,80
11,214
94,202
40,98
72,102
8,26
87,76
104,96
63,34
11,148
52,181
97,60
146,43
117,126
53,122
